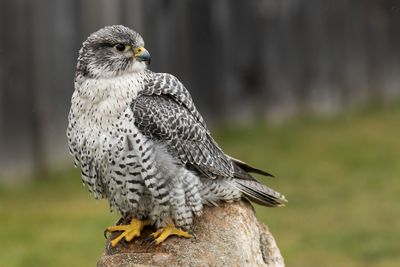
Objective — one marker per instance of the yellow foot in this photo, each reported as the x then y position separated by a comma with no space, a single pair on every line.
129,231
162,234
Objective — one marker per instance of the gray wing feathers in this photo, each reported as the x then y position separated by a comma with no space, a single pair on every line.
161,118
167,84
244,167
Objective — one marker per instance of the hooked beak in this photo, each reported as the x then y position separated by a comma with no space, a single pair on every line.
142,54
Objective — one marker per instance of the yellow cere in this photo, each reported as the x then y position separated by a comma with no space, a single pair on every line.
139,50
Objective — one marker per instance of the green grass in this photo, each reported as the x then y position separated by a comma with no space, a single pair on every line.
341,177
51,222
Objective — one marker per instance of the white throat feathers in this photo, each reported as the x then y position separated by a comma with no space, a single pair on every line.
97,102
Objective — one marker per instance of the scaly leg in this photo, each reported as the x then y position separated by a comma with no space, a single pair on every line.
129,231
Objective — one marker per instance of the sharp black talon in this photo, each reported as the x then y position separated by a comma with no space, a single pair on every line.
152,243
150,237
123,242
105,233
193,234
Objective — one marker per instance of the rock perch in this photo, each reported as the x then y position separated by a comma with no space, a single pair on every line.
227,235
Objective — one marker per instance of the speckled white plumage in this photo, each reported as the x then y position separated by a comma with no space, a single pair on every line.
142,144
95,121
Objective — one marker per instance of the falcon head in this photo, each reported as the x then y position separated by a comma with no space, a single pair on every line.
112,51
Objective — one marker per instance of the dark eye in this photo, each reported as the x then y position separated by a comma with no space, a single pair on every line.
120,47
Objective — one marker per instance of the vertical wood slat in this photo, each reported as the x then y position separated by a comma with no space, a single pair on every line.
16,149
132,14
63,50
41,46
2,79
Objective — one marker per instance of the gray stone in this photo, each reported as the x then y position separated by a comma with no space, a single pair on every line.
227,235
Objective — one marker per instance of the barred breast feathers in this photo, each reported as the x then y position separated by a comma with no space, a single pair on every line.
97,105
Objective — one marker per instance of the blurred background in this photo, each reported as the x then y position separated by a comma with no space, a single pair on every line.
308,90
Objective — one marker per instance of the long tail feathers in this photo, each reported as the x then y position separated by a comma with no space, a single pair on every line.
260,193
252,189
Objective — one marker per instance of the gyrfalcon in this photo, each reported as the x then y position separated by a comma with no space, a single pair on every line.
142,144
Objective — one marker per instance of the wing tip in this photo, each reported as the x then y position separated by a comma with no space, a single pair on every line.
247,168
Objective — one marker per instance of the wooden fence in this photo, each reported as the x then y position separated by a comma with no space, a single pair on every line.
239,59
